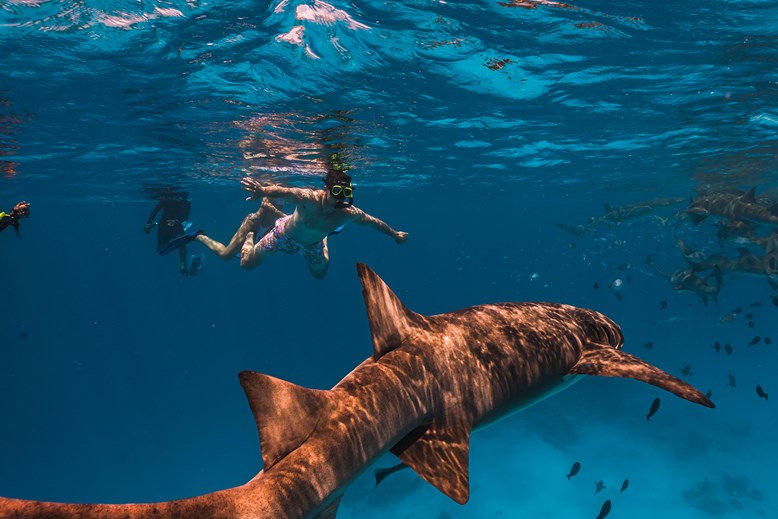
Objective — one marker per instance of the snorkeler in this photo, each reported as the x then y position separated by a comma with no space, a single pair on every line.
318,213
20,210
172,229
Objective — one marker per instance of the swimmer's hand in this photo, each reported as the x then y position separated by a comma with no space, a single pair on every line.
400,237
254,187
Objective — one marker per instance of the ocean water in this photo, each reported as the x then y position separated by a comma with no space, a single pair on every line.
477,127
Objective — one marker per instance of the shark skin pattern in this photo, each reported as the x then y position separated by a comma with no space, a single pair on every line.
430,381
744,208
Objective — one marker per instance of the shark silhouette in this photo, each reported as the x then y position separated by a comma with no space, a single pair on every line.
740,207
430,381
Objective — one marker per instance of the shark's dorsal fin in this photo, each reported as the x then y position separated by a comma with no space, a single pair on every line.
606,361
390,321
750,196
441,455
285,413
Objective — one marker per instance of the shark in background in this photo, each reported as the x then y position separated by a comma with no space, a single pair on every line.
431,381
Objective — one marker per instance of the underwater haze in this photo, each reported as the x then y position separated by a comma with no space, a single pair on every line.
533,150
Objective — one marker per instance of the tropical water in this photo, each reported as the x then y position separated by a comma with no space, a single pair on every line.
475,126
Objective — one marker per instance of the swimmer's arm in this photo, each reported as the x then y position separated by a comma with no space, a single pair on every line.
363,218
289,194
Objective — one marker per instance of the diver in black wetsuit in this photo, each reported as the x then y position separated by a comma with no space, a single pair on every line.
20,210
171,233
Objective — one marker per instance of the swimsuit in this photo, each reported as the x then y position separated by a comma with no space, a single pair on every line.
277,240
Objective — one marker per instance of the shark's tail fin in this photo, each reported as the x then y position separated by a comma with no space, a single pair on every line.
391,322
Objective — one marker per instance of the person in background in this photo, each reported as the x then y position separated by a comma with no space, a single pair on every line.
172,228
20,210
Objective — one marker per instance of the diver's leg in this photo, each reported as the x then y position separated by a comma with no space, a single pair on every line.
182,261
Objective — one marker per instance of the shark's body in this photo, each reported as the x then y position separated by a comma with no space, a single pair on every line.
429,383
735,207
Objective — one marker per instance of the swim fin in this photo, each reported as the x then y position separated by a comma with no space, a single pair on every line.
179,241
195,265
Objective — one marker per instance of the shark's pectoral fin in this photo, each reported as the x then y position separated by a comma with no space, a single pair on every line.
329,511
440,454
604,361
285,413
391,322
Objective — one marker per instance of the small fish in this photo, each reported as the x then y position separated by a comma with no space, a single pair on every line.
731,380
728,348
649,345
730,317
775,300
737,310
717,347
754,341
663,304
686,370
624,485
709,393
750,324
654,408
755,304
749,316
596,285
623,266
599,486
761,392
574,470
605,510
768,340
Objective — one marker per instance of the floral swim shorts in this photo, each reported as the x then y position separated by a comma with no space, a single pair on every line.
278,241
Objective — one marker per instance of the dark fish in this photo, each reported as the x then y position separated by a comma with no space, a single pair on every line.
761,392
737,310
686,370
731,380
618,296
727,318
381,474
754,341
605,510
654,408
623,266
717,347
648,345
663,304
574,470
775,300
728,348
750,324
624,486
709,393
599,485
755,304
596,285
749,315
23,334
768,340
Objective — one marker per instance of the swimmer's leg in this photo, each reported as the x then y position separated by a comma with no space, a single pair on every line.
251,254
259,223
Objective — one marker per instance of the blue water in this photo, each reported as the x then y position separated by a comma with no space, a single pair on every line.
476,127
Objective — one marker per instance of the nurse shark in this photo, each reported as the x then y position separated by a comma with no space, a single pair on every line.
430,382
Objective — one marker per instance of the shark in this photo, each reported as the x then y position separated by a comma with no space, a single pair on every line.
430,382
738,207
